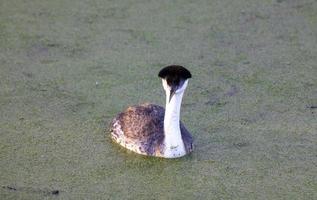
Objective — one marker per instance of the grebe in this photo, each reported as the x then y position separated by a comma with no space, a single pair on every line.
150,129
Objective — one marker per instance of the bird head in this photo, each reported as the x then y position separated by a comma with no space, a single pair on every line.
174,79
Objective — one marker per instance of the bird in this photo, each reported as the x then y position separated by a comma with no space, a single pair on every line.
149,129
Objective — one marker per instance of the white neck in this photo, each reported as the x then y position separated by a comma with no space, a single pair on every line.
174,145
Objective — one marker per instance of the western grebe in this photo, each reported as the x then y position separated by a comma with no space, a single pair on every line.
150,129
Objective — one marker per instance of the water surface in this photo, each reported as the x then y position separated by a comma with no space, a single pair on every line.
67,68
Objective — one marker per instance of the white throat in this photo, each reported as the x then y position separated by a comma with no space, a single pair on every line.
174,145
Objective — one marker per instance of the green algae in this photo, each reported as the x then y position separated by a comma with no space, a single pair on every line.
67,68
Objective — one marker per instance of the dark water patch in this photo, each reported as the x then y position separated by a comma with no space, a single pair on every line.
247,121
90,19
42,13
115,13
246,62
217,103
302,5
52,44
53,97
9,188
240,145
146,37
212,101
312,108
37,51
49,85
77,106
32,190
103,14
252,119
189,104
232,91
48,61
249,17
46,51
73,50
219,63
28,74
102,70
217,97
215,100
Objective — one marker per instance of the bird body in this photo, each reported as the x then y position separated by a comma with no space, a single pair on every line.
149,129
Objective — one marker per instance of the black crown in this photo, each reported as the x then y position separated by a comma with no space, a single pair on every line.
175,71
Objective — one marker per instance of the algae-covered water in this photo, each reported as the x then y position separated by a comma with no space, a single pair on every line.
67,68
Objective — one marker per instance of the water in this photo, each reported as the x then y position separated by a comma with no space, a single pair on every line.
67,68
